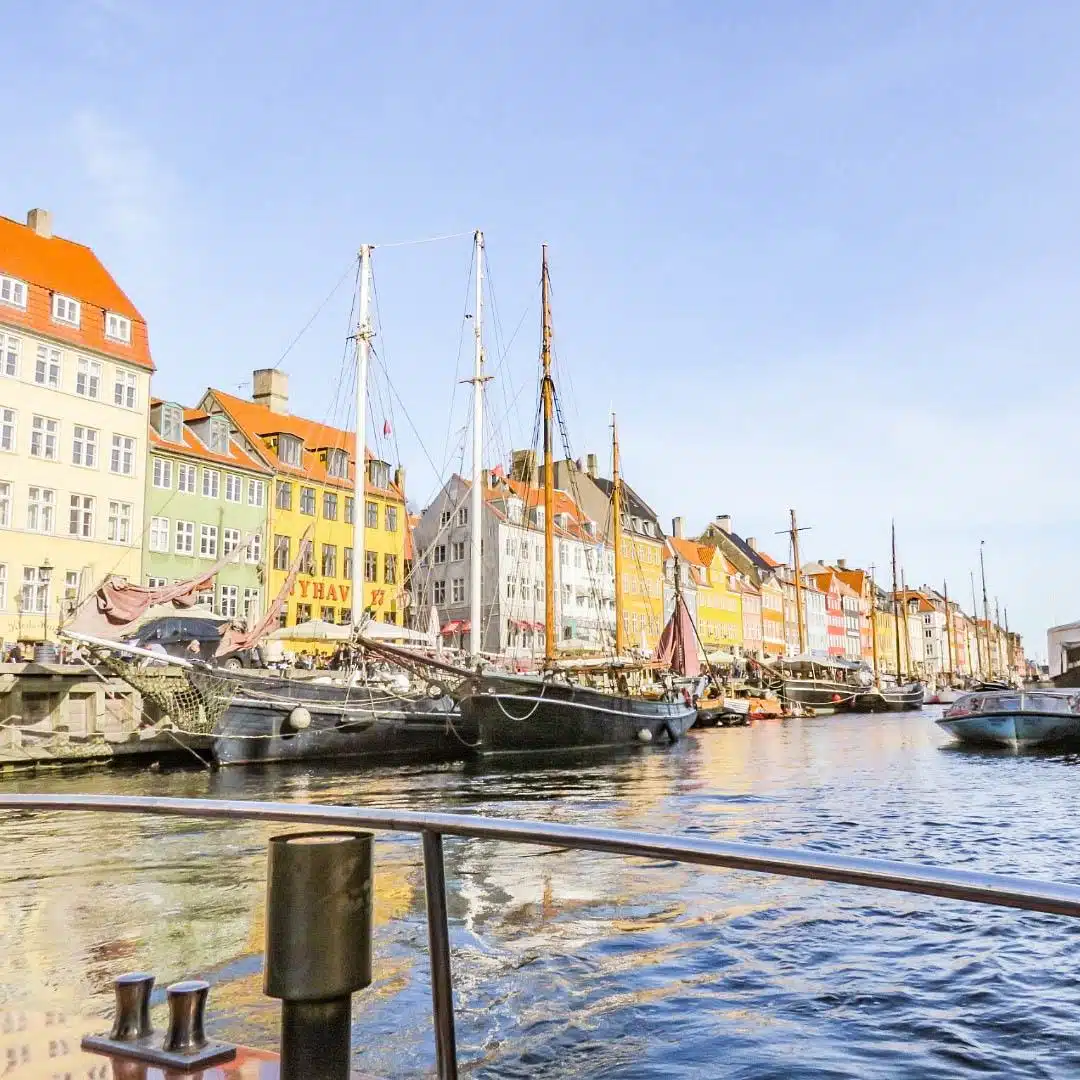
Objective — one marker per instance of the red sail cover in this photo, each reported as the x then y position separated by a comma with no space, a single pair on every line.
678,646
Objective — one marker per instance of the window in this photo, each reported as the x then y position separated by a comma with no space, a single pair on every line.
511,588
457,551
88,377
33,591
81,521
162,472
438,592
379,474
124,389
327,614
3,586
185,538
122,460
329,560
457,591
227,602
438,554
371,515
234,487
47,368
120,522
337,464
303,613
282,556
329,506
172,423
444,519
208,541
307,501
43,437
65,310
156,582
256,492
117,327
252,607
254,551
346,563
159,534
211,483
185,478
390,569
7,430
510,546
13,292
344,617
290,450
5,506
219,435
463,515
84,446
283,498
307,557
40,507
350,509
230,540
9,355
371,566
391,519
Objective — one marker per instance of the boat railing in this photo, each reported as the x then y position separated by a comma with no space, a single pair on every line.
926,880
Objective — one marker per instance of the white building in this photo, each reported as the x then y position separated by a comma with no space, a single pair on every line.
817,629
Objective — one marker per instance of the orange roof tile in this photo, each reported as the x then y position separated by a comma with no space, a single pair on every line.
193,446
766,557
534,497
687,550
53,264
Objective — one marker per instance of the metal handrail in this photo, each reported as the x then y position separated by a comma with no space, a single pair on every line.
994,889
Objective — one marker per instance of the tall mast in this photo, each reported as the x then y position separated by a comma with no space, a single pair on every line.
948,627
975,616
896,602
476,495
907,629
873,619
986,609
616,516
363,352
799,613
1008,646
997,636
547,390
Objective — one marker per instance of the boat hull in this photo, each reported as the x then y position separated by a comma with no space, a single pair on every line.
820,695
529,716
1014,730
892,699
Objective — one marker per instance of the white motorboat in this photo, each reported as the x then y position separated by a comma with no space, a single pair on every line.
1015,719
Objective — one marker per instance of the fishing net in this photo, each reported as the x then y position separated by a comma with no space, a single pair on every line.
194,700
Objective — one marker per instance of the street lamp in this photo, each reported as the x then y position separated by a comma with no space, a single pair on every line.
44,577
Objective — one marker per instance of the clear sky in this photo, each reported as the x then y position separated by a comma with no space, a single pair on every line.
820,255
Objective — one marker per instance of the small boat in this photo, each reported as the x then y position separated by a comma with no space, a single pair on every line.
723,712
892,697
947,695
1014,719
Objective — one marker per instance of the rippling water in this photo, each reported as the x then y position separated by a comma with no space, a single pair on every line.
572,964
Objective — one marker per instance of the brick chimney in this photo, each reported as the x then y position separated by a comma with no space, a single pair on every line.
40,221
591,466
270,387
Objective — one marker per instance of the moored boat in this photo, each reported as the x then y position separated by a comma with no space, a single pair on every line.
892,697
1016,720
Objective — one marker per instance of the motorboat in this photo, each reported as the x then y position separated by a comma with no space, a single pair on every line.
1015,719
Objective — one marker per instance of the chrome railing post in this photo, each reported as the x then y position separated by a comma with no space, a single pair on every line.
442,981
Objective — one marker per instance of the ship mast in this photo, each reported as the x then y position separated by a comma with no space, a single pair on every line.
547,392
363,352
907,628
616,516
873,620
948,628
896,603
799,613
986,609
476,495
978,643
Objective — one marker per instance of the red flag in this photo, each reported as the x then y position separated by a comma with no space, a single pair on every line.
386,427
498,471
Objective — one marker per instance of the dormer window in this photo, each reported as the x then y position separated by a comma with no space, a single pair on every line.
290,450
13,291
337,464
514,510
65,310
590,528
562,520
117,327
172,423
379,474
219,435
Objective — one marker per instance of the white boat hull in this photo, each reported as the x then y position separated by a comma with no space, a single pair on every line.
1015,730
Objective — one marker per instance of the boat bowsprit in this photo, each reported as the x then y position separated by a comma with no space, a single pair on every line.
1016,720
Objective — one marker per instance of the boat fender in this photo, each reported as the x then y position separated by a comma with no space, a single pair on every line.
837,698
672,734
644,735
299,719
436,690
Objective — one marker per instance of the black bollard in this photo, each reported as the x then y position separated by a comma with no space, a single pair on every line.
318,946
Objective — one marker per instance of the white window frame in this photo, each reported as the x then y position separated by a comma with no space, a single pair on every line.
3,586
256,492
186,478
228,600
219,435
230,540
172,423
117,327
457,551
88,376
13,292
10,353
34,588
160,534
48,368
126,389
5,504
9,430
122,455
40,509
41,434
234,487
184,538
208,541
156,582
457,590
161,470
84,446
295,446
81,514
120,521
211,483
254,551
66,310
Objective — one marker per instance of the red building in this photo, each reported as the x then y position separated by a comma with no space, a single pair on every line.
835,628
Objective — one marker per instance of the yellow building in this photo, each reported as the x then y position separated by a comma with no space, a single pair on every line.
313,490
642,581
885,626
74,400
719,617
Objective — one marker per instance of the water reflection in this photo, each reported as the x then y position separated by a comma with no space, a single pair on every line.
572,963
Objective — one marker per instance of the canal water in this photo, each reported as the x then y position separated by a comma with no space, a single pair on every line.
572,964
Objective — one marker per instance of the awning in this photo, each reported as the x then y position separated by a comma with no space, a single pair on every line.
452,627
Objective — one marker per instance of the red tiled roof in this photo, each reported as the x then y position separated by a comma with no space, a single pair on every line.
193,446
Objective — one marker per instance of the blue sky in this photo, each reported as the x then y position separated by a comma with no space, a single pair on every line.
819,255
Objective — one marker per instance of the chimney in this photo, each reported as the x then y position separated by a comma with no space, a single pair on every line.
523,466
723,521
590,464
270,387
676,528
485,478
751,543
399,477
41,222
841,564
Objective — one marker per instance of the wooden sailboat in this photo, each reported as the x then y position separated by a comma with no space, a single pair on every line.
512,714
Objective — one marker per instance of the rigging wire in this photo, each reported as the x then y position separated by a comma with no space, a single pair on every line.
318,312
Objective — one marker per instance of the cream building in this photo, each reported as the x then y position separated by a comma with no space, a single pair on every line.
75,372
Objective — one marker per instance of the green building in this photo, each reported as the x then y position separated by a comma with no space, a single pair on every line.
205,496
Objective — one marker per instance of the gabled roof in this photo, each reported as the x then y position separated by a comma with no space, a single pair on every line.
632,503
690,551
193,446
53,264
